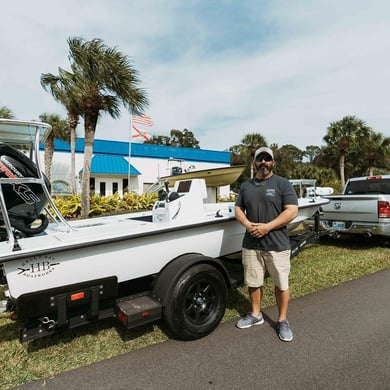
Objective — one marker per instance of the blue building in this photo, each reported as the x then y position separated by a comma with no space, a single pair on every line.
111,171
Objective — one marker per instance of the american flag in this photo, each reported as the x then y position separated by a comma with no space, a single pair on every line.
138,133
142,119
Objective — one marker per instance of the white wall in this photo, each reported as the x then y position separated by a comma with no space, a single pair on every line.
151,169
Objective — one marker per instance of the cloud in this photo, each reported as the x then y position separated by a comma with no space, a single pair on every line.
220,69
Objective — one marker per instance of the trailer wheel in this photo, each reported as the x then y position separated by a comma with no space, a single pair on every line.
196,303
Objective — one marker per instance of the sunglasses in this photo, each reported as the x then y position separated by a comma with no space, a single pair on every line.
266,158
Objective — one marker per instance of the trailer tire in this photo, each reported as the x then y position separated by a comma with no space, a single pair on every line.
196,303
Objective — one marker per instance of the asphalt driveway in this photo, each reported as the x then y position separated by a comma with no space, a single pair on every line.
341,341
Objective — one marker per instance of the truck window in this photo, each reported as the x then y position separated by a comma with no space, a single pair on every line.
381,186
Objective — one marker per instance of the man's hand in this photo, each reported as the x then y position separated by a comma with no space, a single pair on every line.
258,230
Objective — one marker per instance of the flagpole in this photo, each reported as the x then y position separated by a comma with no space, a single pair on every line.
129,166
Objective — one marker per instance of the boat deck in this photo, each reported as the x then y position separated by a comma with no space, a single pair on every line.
101,230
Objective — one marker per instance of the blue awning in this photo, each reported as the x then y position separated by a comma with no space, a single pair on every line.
111,165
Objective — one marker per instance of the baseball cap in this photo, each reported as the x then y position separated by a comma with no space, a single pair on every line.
264,150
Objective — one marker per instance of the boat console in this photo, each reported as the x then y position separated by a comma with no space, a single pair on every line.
184,202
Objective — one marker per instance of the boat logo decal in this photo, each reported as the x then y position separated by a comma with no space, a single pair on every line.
21,189
38,266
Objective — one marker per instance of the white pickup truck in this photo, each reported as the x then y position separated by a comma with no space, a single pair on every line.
362,208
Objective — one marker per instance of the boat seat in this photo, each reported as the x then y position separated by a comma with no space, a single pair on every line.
173,196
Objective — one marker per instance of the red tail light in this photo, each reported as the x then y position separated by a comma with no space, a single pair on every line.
383,209
122,317
77,296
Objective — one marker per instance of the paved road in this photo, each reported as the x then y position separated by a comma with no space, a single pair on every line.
342,341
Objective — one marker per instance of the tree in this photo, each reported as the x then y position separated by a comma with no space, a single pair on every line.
377,151
323,176
311,152
64,91
287,158
343,135
61,130
6,113
243,153
292,152
103,79
185,139
159,140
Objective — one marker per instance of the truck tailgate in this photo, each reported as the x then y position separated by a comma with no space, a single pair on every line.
362,208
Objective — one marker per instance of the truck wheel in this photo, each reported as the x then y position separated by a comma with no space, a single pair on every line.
196,302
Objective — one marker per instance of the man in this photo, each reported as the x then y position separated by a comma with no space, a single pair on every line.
264,206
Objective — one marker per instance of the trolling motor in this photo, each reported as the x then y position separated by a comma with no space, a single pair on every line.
24,201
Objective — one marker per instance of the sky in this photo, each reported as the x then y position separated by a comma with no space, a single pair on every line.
222,69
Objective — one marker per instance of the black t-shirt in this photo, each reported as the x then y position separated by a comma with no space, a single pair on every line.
263,201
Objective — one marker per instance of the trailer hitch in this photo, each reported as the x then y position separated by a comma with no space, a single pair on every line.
47,323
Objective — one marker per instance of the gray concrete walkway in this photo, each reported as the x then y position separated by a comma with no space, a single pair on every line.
341,341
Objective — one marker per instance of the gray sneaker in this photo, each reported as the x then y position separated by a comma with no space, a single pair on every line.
249,320
285,332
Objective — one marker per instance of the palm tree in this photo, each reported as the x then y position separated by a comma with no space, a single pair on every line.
343,135
62,87
104,79
378,151
250,143
6,113
60,129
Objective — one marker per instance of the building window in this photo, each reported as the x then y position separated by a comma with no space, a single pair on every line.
92,185
102,188
114,188
125,183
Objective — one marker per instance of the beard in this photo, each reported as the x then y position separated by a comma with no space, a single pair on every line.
264,170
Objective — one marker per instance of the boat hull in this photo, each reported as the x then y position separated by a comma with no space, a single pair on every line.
306,208
126,257
127,248
215,177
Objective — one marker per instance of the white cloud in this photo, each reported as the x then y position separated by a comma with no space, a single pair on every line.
288,76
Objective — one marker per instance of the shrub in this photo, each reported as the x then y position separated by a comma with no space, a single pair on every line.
70,206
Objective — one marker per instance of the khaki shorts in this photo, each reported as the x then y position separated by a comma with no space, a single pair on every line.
257,262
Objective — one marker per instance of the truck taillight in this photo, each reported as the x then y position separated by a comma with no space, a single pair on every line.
383,209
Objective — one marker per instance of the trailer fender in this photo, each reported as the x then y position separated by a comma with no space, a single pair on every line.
171,273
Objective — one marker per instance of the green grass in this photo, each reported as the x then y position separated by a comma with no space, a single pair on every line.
327,263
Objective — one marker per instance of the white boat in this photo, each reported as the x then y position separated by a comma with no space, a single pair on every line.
214,177
308,201
167,262
88,246
139,266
